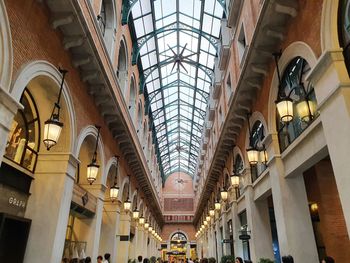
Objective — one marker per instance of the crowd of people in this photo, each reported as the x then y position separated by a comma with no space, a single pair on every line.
140,259
105,259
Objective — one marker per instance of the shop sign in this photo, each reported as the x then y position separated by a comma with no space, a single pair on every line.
12,201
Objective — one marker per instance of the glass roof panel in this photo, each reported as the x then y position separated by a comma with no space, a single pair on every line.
177,54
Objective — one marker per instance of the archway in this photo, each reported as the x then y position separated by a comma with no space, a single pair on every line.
83,224
106,20
122,70
37,86
5,50
132,98
110,213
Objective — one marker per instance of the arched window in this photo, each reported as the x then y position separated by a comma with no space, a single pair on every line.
238,169
255,141
139,119
102,18
295,86
122,71
23,140
344,30
106,21
132,98
178,236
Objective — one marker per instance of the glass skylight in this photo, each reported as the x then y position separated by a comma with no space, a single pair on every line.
177,93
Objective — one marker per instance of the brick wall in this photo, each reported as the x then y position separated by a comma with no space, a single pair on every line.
33,38
322,189
168,229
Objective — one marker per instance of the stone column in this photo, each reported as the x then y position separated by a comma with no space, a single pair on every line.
259,223
225,234
93,229
236,227
109,230
188,250
294,227
218,241
332,88
124,232
140,241
49,207
8,109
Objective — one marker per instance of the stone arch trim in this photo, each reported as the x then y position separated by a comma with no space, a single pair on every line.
237,151
6,51
111,25
91,130
132,197
127,57
256,116
329,25
179,231
43,68
295,49
111,164
122,186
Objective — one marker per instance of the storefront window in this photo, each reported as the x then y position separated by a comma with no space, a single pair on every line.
295,86
244,227
24,136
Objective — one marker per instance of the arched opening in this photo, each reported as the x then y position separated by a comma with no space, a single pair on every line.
139,120
133,238
301,92
82,222
106,21
26,158
122,70
110,216
256,142
132,98
239,170
123,244
178,247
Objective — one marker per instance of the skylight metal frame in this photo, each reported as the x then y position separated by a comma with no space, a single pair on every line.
176,101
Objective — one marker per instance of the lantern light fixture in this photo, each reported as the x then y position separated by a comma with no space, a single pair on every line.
234,180
212,212
93,167
223,192
136,212
141,220
53,126
217,205
146,225
127,202
254,152
114,190
305,108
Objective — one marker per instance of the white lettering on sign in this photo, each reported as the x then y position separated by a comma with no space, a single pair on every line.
16,202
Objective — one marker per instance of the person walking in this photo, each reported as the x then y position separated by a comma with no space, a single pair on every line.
139,259
287,259
107,258
239,260
99,259
328,260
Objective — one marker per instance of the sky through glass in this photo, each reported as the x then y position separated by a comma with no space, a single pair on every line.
177,94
